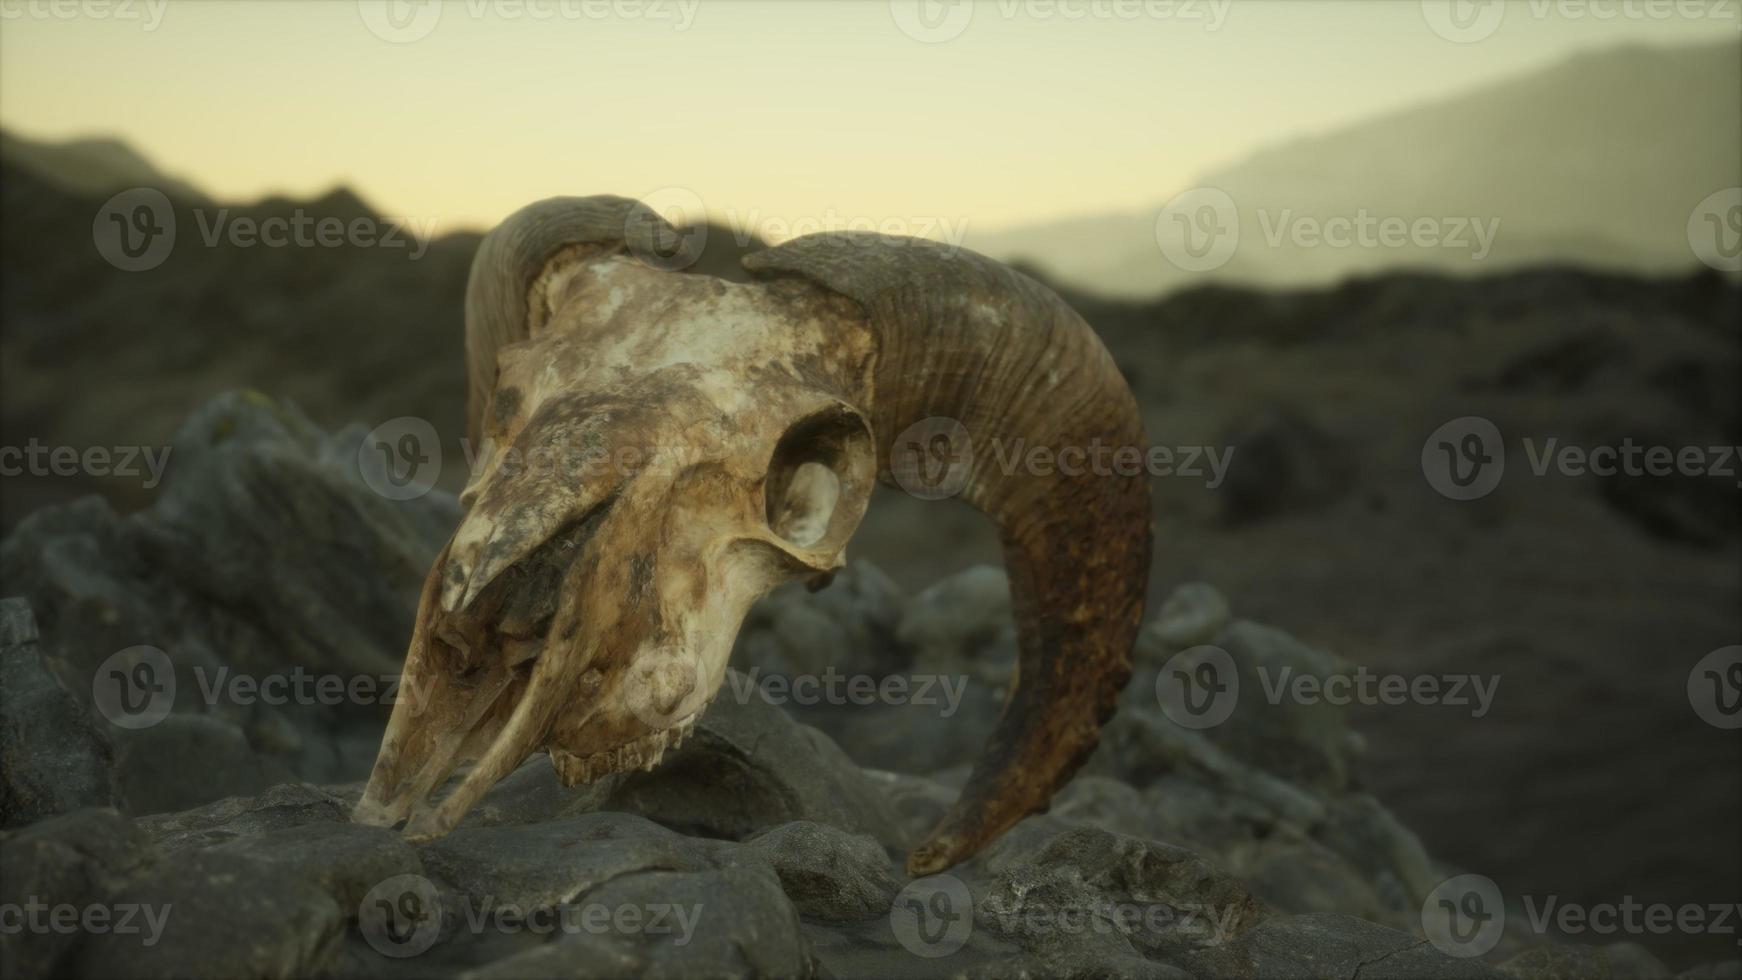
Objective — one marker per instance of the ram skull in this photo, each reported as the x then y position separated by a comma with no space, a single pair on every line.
661,448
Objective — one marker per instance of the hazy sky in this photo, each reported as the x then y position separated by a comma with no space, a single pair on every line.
1014,111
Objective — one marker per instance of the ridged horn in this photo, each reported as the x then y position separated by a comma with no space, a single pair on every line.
505,292
965,338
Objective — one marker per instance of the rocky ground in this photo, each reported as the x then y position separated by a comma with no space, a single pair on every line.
207,824
1588,598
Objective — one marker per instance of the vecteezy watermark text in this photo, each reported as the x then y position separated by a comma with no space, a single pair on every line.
402,917
1200,687
147,13
833,687
934,458
1466,458
36,459
37,917
937,21
1366,230
935,916
405,21
1469,21
1465,916
302,230
136,230
136,687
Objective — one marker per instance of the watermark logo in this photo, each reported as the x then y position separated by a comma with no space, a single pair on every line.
932,458
1198,687
667,229
1715,230
401,917
1465,458
401,459
1463,21
932,21
933,916
1464,916
1715,688
134,231
134,688
1198,230
400,21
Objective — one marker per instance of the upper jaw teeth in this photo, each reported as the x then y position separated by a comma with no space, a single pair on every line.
643,753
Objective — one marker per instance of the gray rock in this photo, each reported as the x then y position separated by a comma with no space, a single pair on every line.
1312,947
53,758
265,551
957,623
938,721
827,873
1057,887
72,861
1617,961
1304,742
279,808
732,922
1195,613
533,794
919,802
1725,970
549,864
1244,850
154,763
1384,852
748,768
849,626
1091,963
344,860
1281,461
222,916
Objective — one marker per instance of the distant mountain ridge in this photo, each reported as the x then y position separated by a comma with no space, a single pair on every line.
1598,160
94,166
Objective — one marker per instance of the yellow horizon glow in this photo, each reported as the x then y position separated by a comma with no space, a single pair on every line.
767,114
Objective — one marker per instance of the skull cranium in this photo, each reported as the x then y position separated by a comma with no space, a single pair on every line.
660,449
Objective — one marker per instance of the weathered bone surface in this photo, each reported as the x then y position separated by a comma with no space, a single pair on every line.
660,449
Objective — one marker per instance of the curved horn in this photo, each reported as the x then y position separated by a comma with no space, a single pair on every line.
521,258
965,338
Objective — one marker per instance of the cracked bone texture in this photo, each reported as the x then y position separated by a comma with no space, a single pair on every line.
769,817
704,382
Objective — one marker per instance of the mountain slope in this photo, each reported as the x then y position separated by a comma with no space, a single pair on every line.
95,167
1599,160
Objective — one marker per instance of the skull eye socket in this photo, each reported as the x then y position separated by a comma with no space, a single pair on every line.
818,480
802,514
